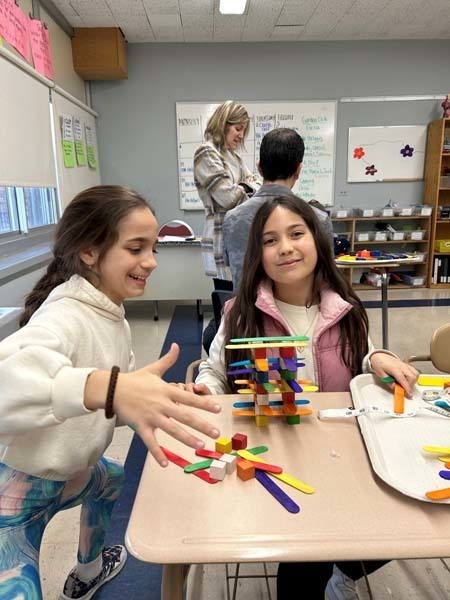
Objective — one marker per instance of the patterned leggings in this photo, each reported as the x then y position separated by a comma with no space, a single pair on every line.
28,503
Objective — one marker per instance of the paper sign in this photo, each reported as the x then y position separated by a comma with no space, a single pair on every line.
68,141
14,27
40,48
79,141
90,145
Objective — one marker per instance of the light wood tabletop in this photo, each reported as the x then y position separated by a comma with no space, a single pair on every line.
178,519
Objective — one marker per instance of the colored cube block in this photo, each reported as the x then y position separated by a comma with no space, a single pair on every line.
223,445
260,352
239,441
245,470
230,462
261,421
262,376
218,469
287,351
293,420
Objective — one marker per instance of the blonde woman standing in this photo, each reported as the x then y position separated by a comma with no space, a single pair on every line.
223,181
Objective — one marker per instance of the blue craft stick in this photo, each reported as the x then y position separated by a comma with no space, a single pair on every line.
294,385
239,371
276,492
444,474
271,403
240,363
290,364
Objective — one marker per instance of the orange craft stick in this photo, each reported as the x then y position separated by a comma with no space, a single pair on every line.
399,399
439,494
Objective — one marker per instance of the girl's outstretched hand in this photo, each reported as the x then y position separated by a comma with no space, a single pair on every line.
147,402
404,374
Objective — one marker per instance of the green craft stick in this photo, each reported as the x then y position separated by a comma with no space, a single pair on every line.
387,379
203,464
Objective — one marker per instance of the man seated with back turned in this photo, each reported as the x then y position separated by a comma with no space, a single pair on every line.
280,162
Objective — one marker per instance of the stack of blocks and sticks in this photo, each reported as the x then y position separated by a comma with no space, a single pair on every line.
246,463
260,385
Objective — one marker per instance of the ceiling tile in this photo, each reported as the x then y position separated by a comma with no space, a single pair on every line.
197,28
196,7
160,7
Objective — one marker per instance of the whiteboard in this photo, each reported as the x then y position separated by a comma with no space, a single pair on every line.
391,153
314,121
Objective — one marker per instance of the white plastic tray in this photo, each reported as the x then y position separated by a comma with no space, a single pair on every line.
395,445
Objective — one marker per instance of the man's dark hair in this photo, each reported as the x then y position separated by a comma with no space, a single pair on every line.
280,153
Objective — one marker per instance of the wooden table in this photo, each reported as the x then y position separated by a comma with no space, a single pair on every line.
177,519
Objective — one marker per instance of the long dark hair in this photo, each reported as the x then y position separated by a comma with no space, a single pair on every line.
91,220
246,320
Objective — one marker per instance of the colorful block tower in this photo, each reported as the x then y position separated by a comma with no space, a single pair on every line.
259,383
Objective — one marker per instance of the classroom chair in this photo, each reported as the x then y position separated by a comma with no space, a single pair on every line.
439,354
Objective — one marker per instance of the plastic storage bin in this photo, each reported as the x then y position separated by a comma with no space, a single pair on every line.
417,234
411,279
396,235
380,236
442,245
363,236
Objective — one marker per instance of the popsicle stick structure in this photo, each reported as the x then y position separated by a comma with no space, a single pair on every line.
271,354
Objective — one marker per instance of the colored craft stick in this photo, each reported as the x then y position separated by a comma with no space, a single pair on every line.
241,363
239,371
281,338
290,364
292,383
258,449
277,492
269,412
271,403
444,474
433,380
208,453
269,345
443,494
269,387
203,464
399,399
436,449
445,458
289,479
265,466
181,462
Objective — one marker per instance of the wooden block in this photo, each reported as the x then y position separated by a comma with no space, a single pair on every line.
218,470
260,353
245,470
230,462
239,441
99,53
261,421
223,445
287,352
293,420
288,397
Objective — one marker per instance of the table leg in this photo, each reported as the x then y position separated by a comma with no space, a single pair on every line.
156,309
199,309
173,579
384,307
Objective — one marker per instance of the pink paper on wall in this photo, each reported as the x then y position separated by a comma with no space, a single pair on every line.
14,27
40,48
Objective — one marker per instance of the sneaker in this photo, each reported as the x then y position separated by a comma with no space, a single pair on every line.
114,558
340,587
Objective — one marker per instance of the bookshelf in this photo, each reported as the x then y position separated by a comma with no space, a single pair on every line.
361,231
437,194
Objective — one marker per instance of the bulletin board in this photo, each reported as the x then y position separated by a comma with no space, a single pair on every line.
390,153
314,121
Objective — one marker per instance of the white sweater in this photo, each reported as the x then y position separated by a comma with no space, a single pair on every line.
45,429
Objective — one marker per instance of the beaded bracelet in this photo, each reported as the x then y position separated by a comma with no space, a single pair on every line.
109,404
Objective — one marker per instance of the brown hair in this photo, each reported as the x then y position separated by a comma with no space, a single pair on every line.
228,113
90,220
246,320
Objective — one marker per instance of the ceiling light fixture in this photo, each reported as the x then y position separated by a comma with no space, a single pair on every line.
232,7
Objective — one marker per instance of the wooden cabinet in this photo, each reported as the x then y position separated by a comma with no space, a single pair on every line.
437,194
99,53
363,233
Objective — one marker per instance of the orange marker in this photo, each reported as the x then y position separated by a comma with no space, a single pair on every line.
399,399
443,494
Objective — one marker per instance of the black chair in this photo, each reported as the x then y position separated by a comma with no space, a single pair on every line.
218,298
